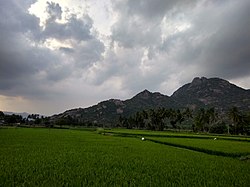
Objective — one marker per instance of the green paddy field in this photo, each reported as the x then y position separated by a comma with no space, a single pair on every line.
83,157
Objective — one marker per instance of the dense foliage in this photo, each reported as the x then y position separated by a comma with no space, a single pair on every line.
33,119
203,120
10,119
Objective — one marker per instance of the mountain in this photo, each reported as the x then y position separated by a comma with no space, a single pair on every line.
146,100
23,114
213,92
201,92
108,112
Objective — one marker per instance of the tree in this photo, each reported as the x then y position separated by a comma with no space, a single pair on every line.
219,128
172,116
244,126
1,115
188,113
236,118
129,123
211,117
121,121
199,120
47,123
205,119
138,119
13,118
247,123
179,117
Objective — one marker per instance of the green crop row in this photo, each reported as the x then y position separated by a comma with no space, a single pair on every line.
54,157
222,146
169,134
203,149
211,144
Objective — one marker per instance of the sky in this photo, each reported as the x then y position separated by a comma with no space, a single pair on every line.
62,54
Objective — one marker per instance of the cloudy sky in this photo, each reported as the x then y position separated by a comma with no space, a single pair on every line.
62,54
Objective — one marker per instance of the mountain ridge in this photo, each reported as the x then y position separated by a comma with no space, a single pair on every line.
201,92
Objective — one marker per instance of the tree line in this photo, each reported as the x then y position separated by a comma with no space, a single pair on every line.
204,120
32,119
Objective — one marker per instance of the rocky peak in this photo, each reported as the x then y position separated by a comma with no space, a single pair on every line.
214,92
204,83
197,81
117,102
158,95
145,94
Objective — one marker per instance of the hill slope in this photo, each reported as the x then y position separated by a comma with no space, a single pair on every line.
213,92
201,92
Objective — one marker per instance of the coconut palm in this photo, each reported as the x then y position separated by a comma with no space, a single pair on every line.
200,120
188,113
236,117
211,117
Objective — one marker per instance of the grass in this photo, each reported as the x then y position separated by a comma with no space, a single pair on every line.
211,144
55,157
230,146
176,134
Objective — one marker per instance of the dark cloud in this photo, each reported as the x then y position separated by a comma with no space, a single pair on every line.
218,41
15,64
27,67
74,28
227,52
139,22
131,33
15,19
66,49
87,54
20,70
151,9
215,41
86,48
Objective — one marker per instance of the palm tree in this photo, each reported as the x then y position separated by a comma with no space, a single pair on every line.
144,114
172,116
247,123
188,113
139,121
200,120
236,117
179,118
211,117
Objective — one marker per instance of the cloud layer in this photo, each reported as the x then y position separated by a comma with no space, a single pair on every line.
68,61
